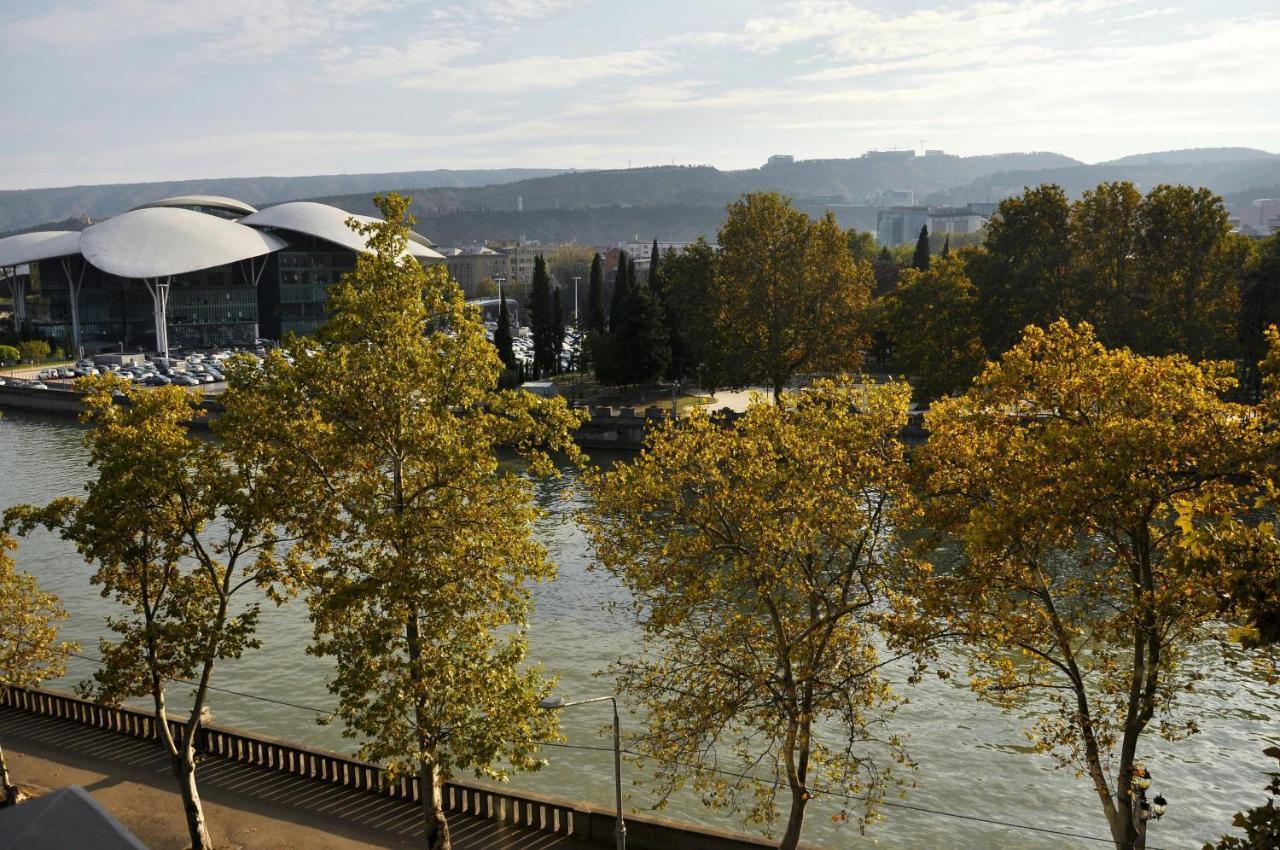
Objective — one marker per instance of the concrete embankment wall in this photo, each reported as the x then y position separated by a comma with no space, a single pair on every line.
543,813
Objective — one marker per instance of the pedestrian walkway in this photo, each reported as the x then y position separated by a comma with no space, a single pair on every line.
247,807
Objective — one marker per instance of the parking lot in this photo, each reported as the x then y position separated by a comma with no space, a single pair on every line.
203,370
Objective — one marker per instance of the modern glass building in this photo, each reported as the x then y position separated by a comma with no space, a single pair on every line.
190,272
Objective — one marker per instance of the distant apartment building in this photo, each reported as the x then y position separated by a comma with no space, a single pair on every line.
474,263
1260,218
955,220
889,155
781,159
520,259
900,225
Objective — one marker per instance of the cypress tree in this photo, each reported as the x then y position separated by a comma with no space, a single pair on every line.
620,287
640,352
557,329
946,246
595,296
502,339
921,259
653,267
540,319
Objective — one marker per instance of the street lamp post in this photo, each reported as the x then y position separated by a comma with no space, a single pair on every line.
576,320
557,702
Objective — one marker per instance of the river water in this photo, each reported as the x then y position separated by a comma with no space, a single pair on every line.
973,759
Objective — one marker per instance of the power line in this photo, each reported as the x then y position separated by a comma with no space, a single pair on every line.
559,745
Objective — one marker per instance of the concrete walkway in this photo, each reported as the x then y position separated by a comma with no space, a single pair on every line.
248,808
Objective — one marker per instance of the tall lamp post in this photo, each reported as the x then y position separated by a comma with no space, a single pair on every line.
557,702
576,320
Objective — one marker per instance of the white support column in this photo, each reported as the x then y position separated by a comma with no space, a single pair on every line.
74,284
160,303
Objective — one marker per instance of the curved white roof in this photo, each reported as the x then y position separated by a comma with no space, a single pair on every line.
216,201
162,241
324,222
41,245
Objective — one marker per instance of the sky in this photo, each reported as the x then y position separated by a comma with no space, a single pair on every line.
104,91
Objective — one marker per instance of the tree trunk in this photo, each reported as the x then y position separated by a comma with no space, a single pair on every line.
437,826
795,820
6,784
184,769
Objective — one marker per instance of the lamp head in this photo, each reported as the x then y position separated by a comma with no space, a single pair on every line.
552,702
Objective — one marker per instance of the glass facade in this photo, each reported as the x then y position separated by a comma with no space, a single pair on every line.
296,298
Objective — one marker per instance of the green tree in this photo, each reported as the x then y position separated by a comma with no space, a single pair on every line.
1191,266
565,262
386,437
29,649
1023,273
1104,229
639,351
920,259
487,288
34,350
886,271
1259,306
862,245
787,297
1063,473
178,529
557,330
686,281
595,296
761,559
932,318
9,354
502,340
541,320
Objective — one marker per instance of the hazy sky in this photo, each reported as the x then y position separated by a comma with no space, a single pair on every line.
99,91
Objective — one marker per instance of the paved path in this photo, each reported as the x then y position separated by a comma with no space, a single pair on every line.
248,808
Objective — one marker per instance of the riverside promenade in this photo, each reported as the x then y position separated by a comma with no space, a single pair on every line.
248,807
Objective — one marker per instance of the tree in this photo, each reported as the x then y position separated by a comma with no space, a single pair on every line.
34,350
932,318
760,559
686,280
1259,307
9,354
565,262
29,650
557,330
487,288
886,272
1062,473
920,260
1191,265
178,529
541,320
385,436
862,245
655,265
502,340
621,283
1023,271
638,348
787,296
1103,230
595,296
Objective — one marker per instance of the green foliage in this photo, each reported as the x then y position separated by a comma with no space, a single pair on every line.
862,245
9,354
33,350
932,318
502,337
638,348
759,591
786,298
920,259
385,438
1261,824
178,529
685,280
1064,473
595,296
541,321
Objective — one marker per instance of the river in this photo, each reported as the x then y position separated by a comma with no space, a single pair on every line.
973,760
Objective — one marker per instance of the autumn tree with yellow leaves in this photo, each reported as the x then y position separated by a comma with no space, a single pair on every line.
762,561
384,433
29,649
179,532
1067,474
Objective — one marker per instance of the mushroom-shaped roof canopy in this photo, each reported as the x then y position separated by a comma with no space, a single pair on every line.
324,222
41,245
163,241
217,202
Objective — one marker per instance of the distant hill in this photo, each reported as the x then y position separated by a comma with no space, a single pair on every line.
1193,156
21,208
1225,177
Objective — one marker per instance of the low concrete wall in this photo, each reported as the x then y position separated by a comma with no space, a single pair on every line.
584,821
